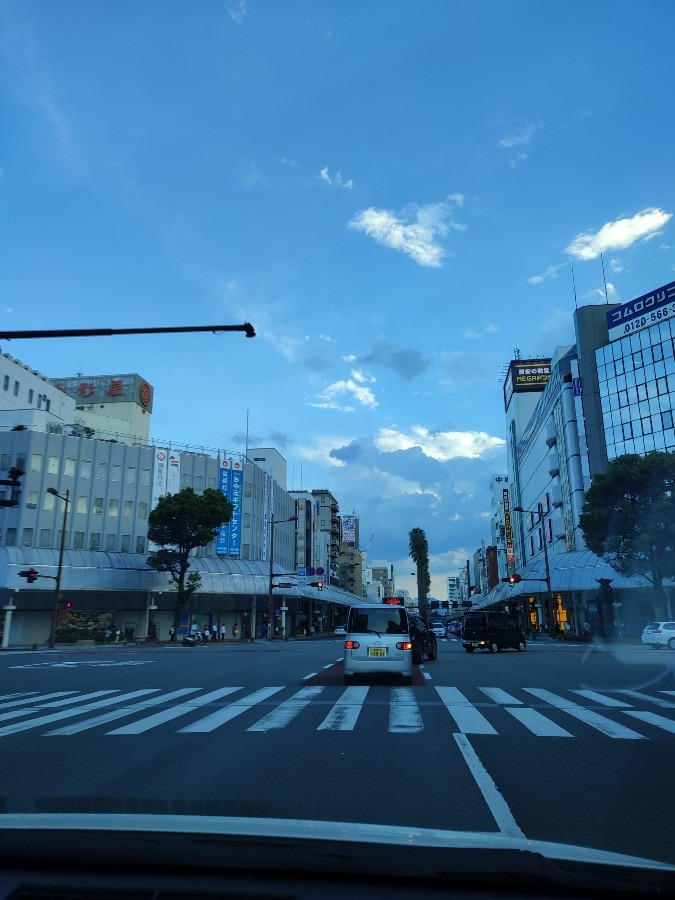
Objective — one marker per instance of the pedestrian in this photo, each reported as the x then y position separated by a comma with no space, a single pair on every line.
223,631
108,634
172,634
215,632
587,630
235,630
207,634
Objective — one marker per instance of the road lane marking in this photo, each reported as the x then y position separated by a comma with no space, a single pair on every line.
287,711
653,719
229,712
76,727
36,700
167,714
19,694
427,676
466,716
657,701
588,716
603,700
329,666
38,707
536,722
69,713
500,696
345,713
491,793
404,713
311,675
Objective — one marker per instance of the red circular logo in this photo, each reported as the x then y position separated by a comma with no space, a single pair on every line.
146,394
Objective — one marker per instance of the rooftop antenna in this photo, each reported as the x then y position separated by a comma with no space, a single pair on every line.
574,288
602,260
516,353
247,434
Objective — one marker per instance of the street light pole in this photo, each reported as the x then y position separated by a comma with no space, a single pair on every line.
57,590
270,597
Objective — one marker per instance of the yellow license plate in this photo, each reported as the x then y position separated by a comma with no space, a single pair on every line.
377,651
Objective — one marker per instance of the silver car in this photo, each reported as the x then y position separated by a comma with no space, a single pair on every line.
378,642
659,634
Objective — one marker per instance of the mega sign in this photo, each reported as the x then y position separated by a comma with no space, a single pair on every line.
642,312
526,375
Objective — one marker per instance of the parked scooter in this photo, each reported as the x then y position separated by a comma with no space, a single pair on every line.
194,640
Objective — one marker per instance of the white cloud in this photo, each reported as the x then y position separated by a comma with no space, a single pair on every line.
518,137
441,445
337,178
349,358
612,294
477,334
616,265
237,10
414,230
363,377
330,397
320,451
457,198
551,272
619,235
517,160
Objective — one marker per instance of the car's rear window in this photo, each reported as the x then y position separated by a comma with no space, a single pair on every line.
474,621
653,626
381,621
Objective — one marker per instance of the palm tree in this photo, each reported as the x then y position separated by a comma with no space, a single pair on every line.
419,553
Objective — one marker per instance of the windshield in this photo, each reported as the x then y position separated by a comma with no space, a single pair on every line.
310,307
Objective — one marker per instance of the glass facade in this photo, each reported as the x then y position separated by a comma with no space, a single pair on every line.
636,375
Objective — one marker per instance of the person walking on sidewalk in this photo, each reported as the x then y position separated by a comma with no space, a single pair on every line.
235,629
223,631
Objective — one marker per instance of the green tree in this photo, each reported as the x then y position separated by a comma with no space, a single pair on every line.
419,553
179,523
629,518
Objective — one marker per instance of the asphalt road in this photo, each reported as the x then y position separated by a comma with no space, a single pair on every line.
564,743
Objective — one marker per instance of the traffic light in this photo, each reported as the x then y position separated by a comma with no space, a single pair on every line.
512,579
30,575
317,584
69,606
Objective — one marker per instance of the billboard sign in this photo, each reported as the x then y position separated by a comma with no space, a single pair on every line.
508,528
525,376
348,529
236,482
225,487
642,312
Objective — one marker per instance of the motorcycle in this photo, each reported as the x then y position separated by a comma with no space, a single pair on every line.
193,640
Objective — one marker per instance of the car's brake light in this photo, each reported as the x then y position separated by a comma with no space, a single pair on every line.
352,645
404,645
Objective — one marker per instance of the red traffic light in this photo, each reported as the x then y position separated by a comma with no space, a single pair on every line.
30,575
514,579
316,584
69,605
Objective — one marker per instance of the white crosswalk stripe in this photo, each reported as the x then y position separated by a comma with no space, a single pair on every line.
324,709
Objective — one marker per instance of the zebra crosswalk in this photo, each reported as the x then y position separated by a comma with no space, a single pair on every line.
488,711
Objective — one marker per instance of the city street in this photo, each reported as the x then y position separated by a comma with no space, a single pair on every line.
563,743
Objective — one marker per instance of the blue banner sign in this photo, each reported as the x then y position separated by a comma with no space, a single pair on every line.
236,481
224,485
642,312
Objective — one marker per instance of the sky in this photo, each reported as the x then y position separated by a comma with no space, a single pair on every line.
396,195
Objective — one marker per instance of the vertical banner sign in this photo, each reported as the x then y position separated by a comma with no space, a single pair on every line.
224,485
236,481
173,474
508,530
266,500
158,485
349,529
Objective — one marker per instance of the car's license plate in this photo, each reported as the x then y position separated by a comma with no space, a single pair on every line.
377,651
474,645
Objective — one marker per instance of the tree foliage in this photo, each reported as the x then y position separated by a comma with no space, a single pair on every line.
419,553
629,517
179,523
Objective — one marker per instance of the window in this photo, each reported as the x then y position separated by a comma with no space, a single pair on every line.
49,502
623,398
618,366
97,508
627,430
661,386
125,544
48,403
45,537
69,467
145,476
31,499
5,383
116,474
246,520
113,507
36,462
247,489
128,509
110,543
78,540
101,471
140,544
637,359
16,388
647,425
95,541
131,475
142,510
657,350
5,462
27,537
245,551
531,543
667,419
199,483
30,395
85,468
82,505
642,391
39,401
184,481
10,537
53,465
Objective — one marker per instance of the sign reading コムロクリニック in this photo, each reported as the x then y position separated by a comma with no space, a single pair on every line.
642,312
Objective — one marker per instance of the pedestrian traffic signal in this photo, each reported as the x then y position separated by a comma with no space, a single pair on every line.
30,575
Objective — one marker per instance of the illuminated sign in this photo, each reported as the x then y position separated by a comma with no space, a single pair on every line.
394,601
642,312
525,376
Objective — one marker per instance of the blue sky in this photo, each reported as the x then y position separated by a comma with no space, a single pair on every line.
393,194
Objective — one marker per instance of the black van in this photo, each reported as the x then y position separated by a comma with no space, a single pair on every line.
491,631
